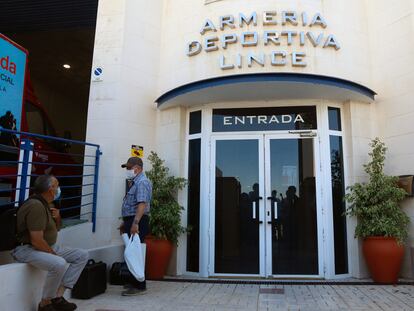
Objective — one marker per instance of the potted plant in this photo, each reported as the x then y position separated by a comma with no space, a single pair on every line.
381,222
165,217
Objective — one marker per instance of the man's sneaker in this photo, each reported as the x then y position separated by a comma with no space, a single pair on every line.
61,304
134,292
48,307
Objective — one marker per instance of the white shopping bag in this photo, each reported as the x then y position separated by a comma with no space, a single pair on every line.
134,256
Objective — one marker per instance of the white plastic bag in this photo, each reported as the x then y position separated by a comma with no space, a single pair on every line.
134,256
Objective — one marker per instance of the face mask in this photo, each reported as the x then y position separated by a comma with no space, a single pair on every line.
130,174
57,194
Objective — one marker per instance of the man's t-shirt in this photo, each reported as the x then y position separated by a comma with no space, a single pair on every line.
35,215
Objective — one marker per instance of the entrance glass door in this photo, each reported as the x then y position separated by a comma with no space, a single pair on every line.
238,182
291,213
265,211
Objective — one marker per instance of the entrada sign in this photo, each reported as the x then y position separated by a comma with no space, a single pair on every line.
264,119
271,37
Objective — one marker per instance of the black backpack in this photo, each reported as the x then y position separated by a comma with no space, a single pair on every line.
120,275
8,226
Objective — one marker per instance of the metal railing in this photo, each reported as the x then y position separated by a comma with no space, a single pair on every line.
74,163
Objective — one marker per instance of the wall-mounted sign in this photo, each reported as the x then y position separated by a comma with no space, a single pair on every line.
269,36
12,73
137,151
264,119
97,74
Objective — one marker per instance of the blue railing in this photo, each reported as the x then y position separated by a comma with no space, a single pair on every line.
74,163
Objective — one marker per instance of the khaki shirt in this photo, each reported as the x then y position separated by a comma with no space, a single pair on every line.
34,215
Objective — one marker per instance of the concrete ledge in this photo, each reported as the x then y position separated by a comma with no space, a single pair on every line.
18,278
20,287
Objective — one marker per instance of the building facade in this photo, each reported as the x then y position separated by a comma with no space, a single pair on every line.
267,108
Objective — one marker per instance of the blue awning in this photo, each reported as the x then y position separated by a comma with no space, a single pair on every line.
265,86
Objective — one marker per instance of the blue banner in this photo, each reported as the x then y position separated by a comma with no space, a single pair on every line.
12,73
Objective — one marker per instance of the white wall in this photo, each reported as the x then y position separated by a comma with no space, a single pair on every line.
171,146
121,109
183,20
359,127
391,26
14,281
141,47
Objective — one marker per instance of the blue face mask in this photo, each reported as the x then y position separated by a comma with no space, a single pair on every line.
57,194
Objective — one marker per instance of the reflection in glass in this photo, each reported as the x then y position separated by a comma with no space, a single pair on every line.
294,231
237,193
338,205
195,122
334,119
193,205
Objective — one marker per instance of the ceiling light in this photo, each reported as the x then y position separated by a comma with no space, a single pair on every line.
66,66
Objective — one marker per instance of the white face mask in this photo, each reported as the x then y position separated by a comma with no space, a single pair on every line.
57,194
130,174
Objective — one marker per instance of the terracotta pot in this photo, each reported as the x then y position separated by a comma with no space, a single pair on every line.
157,257
384,258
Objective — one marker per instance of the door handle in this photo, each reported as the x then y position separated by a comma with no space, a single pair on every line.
276,216
254,209
274,206
254,212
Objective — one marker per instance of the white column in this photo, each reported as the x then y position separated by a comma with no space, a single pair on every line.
121,108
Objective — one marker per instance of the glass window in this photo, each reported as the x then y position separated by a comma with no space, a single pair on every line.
294,229
237,201
195,122
338,205
193,205
334,119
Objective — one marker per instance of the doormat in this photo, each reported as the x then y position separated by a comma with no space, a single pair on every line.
272,291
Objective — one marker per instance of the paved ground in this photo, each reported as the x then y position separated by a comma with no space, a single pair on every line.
170,296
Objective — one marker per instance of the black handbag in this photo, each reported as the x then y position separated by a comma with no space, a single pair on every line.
91,282
119,274
8,229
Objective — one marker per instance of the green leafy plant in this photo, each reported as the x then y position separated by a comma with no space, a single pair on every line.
376,203
165,215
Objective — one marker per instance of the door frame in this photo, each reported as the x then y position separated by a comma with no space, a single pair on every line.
265,260
212,201
327,243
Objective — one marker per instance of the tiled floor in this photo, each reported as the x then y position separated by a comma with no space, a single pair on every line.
170,296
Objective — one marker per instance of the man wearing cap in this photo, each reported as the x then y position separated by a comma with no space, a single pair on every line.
135,210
